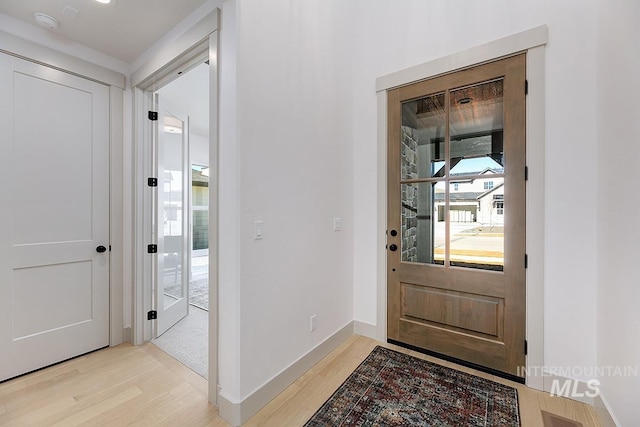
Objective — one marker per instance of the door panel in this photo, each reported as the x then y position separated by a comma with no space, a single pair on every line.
58,130
463,311
174,266
55,176
456,278
35,289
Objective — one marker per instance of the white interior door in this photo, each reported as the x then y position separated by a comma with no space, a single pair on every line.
173,221
54,216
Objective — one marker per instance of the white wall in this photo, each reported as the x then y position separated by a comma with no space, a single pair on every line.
199,150
618,71
390,36
295,174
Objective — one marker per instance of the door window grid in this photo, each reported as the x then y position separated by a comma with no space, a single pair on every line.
432,215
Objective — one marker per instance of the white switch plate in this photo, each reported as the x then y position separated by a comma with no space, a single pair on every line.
258,227
337,224
313,323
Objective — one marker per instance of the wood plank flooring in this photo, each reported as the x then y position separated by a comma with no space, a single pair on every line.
143,386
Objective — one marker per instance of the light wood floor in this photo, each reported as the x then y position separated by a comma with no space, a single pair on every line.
143,386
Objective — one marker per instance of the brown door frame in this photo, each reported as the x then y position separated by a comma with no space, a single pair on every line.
505,351
533,42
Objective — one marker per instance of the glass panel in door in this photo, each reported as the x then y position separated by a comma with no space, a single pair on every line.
173,218
171,186
476,178
422,168
423,234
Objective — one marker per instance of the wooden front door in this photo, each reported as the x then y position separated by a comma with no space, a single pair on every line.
456,215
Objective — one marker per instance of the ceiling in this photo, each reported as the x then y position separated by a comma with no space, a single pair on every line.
123,29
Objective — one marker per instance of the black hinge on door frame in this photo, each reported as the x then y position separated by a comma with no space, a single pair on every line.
526,87
526,261
152,249
526,173
152,182
526,347
153,115
152,315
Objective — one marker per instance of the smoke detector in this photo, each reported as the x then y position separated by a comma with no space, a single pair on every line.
46,21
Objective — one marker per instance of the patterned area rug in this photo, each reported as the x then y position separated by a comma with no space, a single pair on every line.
199,294
395,389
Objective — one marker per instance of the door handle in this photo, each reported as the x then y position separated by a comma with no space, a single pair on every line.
393,247
100,249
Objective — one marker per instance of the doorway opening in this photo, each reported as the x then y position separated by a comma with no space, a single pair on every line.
182,268
198,45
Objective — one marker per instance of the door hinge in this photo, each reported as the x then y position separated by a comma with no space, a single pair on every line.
526,347
526,261
152,249
153,115
526,173
152,315
152,182
526,87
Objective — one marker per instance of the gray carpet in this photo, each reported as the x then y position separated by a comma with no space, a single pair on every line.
187,341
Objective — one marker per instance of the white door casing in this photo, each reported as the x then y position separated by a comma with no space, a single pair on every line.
54,214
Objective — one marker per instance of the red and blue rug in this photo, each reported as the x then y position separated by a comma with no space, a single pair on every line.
395,389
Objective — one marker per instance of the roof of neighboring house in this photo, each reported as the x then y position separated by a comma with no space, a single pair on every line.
199,180
482,172
489,191
463,196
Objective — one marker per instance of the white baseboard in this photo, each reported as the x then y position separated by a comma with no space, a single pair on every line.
604,412
126,335
580,391
238,413
229,411
365,329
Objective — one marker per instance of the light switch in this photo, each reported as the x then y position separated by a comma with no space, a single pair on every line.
258,227
337,224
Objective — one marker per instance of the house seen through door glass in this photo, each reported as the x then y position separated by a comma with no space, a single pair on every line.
199,287
464,197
